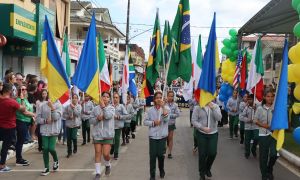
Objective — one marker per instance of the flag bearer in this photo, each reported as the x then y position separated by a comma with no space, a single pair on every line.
120,116
139,116
102,119
206,121
233,111
126,128
87,108
157,119
242,106
136,106
251,129
174,113
72,114
49,118
267,144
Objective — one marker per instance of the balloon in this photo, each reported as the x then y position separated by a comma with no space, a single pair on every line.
232,32
236,53
222,97
226,42
229,91
297,50
296,108
291,74
292,54
296,71
233,39
297,92
234,46
295,4
298,9
297,29
232,58
230,80
223,89
226,51
296,135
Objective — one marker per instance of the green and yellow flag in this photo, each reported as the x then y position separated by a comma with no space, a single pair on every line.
181,60
167,41
155,55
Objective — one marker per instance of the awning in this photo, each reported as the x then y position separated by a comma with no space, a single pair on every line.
277,17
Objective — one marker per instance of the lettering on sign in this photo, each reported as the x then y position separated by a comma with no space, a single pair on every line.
23,24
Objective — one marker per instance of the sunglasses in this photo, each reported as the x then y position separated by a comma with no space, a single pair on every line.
23,89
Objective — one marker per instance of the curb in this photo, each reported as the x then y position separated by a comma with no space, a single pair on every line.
290,157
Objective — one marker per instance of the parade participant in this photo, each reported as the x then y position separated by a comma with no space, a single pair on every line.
102,118
87,108
120,116
251,130
242,106
191,102
49,118
142,104
174,113
8,110
233,111
126,128
136,106
42,99
267,144
206,121
24,119
72,115
157,118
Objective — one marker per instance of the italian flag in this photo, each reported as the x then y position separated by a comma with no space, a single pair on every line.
255,83
125,77
104,73
66,62
198,70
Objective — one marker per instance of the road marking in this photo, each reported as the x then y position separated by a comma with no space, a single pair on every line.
288,166
60,170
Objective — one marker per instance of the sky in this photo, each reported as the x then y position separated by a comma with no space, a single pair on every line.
229,14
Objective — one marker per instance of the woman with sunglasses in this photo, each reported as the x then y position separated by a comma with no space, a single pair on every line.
49,119
120,116
24,119
156,119
102,118
72,115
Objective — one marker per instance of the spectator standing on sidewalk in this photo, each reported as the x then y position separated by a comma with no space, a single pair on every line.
24,119
8,110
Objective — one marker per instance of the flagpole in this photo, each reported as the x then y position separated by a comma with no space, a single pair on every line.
161,44
166,75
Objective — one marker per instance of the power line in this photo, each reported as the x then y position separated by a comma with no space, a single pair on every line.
200,27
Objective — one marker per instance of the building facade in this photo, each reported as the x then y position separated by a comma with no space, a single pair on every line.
22,25
272,46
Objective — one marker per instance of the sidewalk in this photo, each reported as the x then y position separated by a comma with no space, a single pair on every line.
26,147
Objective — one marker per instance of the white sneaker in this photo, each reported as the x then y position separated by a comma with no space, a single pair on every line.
55,166
45,172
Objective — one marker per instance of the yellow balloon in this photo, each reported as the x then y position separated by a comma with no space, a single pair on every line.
297,52
297,92
296,71
230,80
292,54
291,73
296,108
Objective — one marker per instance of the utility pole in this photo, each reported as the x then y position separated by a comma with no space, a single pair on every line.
127,24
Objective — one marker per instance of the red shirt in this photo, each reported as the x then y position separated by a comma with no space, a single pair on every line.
8,108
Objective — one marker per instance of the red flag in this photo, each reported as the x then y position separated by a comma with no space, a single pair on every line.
243,72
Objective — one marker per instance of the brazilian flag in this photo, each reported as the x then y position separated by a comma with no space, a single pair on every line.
181,60
155,55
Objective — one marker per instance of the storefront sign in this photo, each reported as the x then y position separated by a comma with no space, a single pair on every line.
22,24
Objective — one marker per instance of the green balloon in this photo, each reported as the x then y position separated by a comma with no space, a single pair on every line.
295,4
298,9
297,29
232,58
226,51
236,53
233,39
234,46
232,32
227,43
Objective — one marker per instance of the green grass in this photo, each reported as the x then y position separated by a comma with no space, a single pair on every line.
290,144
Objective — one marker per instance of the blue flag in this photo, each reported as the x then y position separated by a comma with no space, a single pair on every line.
132,85
280,115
